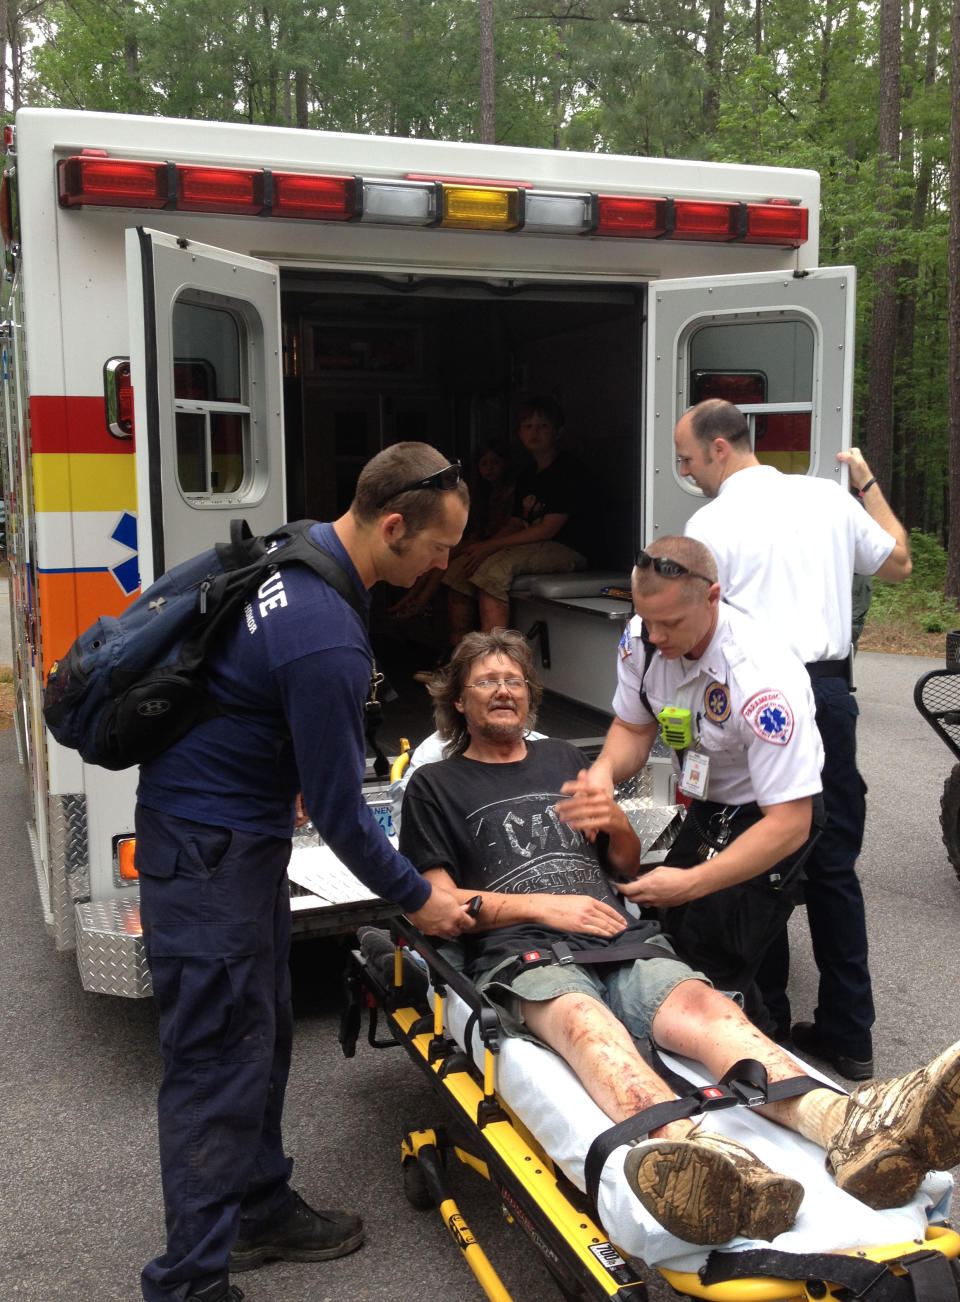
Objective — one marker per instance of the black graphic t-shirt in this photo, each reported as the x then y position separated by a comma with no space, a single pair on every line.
493,827
562,488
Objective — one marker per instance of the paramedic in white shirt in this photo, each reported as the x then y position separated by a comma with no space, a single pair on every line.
787,547
751,761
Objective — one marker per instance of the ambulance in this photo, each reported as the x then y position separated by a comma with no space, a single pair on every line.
207,321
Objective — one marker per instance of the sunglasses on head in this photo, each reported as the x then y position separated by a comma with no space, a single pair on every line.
441,481
666,568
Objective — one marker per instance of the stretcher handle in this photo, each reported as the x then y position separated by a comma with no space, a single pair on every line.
443,974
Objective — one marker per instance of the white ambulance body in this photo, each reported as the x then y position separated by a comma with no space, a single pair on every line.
288,302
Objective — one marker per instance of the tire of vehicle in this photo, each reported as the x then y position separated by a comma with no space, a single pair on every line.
950,817
415,1186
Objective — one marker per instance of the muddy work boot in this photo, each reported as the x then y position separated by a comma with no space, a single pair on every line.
708,1189
895,1131
299,1234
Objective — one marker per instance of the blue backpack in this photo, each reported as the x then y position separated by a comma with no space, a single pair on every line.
132,685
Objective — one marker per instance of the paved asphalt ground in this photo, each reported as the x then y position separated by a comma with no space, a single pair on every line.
79,1191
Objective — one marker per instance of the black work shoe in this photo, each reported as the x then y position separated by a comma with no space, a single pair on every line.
220,1290
300,1234
807,1039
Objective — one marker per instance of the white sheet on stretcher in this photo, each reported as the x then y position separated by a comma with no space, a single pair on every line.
547,1096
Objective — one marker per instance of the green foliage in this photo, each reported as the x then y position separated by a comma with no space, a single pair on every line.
661,79
919,598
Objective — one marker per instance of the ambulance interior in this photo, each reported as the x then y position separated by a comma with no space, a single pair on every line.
369,360
372,360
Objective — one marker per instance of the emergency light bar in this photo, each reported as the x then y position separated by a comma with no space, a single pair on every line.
92,179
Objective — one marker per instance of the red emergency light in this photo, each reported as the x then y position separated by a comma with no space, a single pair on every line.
776,222
220,189
113,182
631,217
695,219
327,198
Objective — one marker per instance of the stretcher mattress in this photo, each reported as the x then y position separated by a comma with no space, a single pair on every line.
548,1098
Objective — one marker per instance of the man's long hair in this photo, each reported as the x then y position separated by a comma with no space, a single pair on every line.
448,686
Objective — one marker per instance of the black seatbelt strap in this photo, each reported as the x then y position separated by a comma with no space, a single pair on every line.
745,1084
930,1276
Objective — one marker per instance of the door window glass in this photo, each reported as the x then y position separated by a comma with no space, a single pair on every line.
765,367
211,402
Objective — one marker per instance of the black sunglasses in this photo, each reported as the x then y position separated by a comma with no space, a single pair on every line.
666,568
441,480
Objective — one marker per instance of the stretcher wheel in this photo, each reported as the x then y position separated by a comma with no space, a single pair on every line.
415,1186
950,817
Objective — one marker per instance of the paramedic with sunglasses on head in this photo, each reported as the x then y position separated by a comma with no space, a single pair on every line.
787,548
215,814
739,720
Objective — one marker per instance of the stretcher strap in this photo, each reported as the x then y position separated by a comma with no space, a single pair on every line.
930,1276
745,1084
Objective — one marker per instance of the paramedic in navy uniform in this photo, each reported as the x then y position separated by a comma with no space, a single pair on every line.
214,819
787,548
722,893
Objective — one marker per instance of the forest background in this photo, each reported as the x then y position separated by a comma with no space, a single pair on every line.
860,92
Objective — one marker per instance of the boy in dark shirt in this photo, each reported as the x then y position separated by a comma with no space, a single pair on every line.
547,534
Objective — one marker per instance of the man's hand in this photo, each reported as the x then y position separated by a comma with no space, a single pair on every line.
442,915
590,807
662,888
579,913
860,472
474,554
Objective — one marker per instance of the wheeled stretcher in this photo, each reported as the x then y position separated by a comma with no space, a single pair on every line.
516,1114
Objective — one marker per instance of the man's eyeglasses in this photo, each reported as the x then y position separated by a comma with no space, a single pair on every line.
441,480
494,684
666,568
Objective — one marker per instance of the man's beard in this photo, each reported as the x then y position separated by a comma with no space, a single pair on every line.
502,732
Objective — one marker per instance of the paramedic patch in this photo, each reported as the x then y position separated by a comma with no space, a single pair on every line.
626,644
716,703
769,715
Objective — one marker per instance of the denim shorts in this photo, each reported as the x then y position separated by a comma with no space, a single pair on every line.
632,990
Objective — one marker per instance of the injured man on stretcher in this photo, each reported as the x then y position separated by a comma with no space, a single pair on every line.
519,823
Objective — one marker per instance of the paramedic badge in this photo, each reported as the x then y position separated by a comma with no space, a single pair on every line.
716,703
769,715
626,644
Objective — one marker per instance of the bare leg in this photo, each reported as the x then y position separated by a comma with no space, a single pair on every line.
701,1023
598,1047
494,613
461,610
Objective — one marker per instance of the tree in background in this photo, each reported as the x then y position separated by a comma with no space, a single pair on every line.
806,84
953,315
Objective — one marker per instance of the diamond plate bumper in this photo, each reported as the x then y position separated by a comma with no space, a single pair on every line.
110,951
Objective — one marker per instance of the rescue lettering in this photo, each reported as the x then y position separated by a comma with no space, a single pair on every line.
271,594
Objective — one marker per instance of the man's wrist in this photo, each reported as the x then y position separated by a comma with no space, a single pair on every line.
869,484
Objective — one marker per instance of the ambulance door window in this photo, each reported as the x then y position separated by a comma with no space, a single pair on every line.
765,367
215,456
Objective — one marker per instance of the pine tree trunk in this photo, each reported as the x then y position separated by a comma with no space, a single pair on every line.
487,114
884,334
953,316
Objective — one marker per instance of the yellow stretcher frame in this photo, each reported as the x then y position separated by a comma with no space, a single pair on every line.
586,1266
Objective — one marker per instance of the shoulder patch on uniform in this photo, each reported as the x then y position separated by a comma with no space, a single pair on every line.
716,702
626,643
769,715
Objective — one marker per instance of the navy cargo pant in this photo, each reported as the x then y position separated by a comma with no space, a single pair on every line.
215,909
835,911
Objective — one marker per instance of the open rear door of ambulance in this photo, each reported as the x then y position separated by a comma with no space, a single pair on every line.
208,400
778,345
